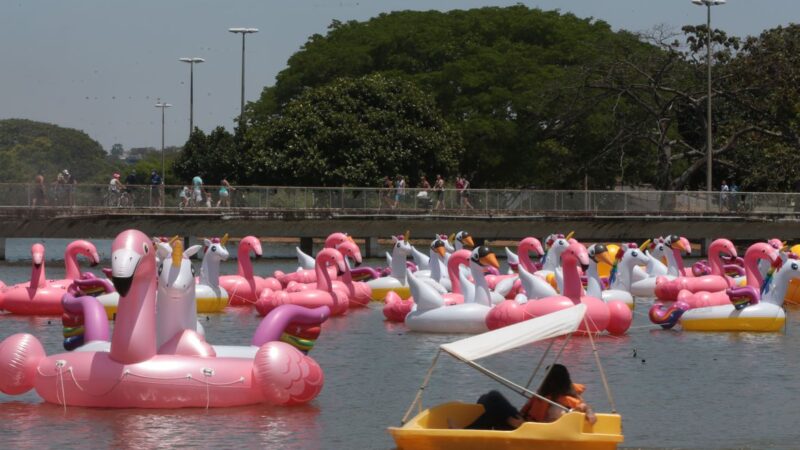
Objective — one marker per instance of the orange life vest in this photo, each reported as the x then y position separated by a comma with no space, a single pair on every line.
536,409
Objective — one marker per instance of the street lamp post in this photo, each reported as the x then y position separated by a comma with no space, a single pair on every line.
244,32
708,4
163,106
191,62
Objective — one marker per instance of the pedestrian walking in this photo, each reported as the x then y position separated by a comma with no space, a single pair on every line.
39,191
225,190
155,188
438,189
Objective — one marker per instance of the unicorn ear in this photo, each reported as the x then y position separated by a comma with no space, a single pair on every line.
163,250
191,251
206,242
394,239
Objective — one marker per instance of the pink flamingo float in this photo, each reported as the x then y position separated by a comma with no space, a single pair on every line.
133,375
667,290
41,296
359,294
308,262
324,295
667,315
614,316
244,287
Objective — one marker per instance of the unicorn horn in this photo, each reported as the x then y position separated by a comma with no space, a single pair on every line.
571,233
407,235
645,244
177,253
224,239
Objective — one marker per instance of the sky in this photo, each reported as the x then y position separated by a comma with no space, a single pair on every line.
100,65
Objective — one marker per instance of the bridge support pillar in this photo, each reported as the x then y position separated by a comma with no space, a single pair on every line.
479,241
2,249
371,248
307,245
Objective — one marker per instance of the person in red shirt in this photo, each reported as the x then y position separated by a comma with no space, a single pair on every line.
558,387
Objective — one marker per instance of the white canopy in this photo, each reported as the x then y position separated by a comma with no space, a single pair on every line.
497,341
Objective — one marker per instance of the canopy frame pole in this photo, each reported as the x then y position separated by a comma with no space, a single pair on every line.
418,397
508,383
539,365
558,356
600,366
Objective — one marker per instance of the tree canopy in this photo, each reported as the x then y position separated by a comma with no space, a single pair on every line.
28,148
353,131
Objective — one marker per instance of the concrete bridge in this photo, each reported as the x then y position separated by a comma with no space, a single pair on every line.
307,224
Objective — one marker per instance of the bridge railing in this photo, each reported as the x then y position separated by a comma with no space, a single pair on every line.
372,200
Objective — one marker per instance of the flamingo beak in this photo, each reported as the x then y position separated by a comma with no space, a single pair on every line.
777,262
490,260
468,242
605,257
95,259
38,258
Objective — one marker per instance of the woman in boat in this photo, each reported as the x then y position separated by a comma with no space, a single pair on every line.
558,387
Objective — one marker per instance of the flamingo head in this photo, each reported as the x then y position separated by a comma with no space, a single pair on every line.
334,239
599,253
531,245
216,248
85,248
401,245
761,250
439,245
576,253
251,244
330,256
483,256
685,245
723,247
349,249
37,254
132,254
466,239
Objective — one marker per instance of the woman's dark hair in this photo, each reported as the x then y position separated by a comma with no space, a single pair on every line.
556,383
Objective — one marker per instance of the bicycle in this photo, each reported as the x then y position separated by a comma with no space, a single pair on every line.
118,199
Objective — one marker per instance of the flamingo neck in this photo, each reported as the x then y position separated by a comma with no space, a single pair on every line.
751,271
572,281
678,257
453,264
525,258
593,286
399,266
73,271
347,279
245,266
672,263
483,295
716,262
435,262
134,337
38,278
323,277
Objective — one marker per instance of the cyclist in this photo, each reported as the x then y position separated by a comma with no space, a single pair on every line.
115,189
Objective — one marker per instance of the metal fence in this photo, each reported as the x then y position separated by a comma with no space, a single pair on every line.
373,200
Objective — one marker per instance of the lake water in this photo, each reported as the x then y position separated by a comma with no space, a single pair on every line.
680,390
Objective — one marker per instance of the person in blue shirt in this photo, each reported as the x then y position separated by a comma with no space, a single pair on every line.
155,188
197,190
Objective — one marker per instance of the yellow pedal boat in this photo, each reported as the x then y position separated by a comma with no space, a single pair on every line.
431,429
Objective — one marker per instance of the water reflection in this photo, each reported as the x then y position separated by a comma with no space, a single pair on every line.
712,390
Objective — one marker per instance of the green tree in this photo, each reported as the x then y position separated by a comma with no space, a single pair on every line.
353,131
28,148
211,156
117,151
509,80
